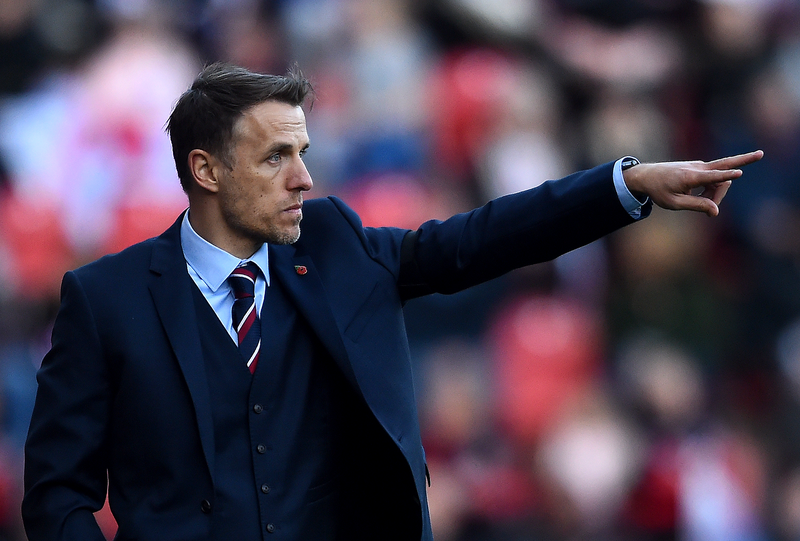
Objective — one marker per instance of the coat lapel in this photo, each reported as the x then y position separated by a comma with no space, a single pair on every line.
302,284
170,286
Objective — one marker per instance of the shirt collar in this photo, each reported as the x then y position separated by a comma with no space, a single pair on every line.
212,264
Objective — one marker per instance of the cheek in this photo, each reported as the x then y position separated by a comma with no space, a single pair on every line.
254,193
265,193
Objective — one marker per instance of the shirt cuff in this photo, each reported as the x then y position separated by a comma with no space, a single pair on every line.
632,205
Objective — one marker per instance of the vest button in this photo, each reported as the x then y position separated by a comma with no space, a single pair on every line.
205,506
270,528
261,449
265,488
258,408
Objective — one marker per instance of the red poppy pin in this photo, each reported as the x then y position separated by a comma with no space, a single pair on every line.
300,269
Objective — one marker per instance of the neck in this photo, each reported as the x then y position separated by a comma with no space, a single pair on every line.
207,224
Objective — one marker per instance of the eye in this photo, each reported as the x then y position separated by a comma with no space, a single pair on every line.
303,152
274,158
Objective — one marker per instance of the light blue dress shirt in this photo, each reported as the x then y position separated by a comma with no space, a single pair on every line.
210,267
629,202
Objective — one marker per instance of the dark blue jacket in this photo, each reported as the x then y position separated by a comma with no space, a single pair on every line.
123,400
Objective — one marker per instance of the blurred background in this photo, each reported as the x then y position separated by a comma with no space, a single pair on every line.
645,387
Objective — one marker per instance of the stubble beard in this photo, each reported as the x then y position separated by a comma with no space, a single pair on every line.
272,234
285,237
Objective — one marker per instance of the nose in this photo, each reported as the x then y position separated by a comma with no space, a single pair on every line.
301,179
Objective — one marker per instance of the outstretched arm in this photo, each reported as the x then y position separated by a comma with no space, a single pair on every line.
672,185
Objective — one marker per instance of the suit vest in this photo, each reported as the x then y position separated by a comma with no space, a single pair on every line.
298,454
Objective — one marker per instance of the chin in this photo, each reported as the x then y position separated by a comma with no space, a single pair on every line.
284,237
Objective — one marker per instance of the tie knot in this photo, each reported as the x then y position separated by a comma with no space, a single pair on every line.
243,280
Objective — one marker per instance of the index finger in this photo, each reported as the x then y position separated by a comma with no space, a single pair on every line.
732,162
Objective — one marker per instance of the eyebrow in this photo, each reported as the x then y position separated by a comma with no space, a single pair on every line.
280,147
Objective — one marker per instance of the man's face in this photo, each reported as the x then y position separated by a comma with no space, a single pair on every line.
261,195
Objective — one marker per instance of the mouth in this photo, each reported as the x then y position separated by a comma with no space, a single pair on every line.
297,209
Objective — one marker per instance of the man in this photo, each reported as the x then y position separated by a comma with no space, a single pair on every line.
206,416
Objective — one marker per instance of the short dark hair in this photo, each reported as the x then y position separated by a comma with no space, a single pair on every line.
205,115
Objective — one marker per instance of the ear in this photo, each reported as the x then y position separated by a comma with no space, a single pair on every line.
203,167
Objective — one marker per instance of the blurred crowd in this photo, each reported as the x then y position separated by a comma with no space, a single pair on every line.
645,387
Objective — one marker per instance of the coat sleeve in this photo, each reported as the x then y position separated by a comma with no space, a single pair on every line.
513,231
65,453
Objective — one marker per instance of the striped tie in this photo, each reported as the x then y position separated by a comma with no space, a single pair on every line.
245,315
